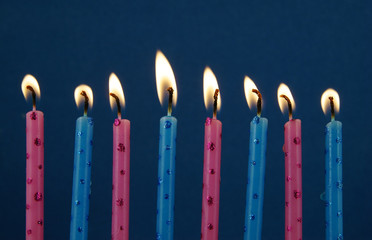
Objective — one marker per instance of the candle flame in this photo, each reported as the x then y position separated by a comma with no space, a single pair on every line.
31,81
210,86
325,101
79,99
283,104
250,96
164,78
116,88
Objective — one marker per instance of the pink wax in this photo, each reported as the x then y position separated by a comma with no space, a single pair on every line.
293,180
120,180
34,175
211,179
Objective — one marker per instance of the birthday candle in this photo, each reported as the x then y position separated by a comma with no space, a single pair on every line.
293,166
120,164
333,167
256,165
34,163
165,82
82,167
212,159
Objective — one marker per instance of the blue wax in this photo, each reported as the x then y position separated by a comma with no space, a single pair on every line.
256,179
81,179
166,178
333,180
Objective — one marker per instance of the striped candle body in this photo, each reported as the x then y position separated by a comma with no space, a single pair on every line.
211,179
35,175
333,180
256,179
120,180
166,178
81,179
293,180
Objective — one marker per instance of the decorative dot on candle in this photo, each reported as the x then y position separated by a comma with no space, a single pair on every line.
299,219
252,216
169,172
27,156
121,147
297,140
339,185
40,222
122,172
29,231
166,196
160,180
210,200
167,124
289,178
117,122
256,141
210,226
121,228
120,202
289,228
211,146
255,196
82,181
27,206
33,116
38,196
29,180
339,213
77,202
208,121
79,133
297,194
212,171
80,229
80,151
340,237
37,141
169,222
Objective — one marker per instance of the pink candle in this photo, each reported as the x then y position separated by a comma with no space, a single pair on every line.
120,165
212,161
34,163
293,168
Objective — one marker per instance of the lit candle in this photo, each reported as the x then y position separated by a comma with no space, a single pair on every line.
34,163
293,166
333,167
120,164
212,159
256,164
82,166
166,82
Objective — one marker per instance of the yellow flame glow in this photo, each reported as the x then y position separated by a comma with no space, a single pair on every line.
250,96
164,78
209,87
115,88
283,104
31,81
325,102
79,99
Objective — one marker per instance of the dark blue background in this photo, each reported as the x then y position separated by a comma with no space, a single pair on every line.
310,46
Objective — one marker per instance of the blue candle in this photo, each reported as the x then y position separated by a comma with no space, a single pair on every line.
82,169
166,82
333,169
256,166
166,177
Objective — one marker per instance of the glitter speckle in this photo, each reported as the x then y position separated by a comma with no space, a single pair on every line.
121,147
211,146
120,202
37,142
256,120
297,194
38,196
117,122
212,171
160,180
210,226
40,222
210,200
167,124
297,140
33,116
208,121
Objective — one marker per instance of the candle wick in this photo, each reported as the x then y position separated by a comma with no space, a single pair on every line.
117,104
215,97
86,102
332,108
259,101
289,106
33,97
170,100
